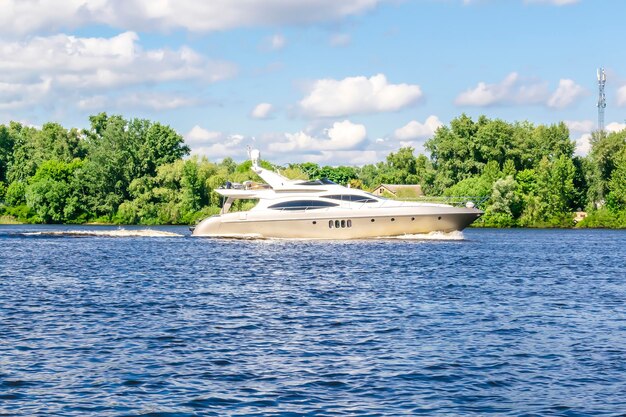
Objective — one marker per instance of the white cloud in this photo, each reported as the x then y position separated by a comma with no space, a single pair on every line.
553,2
105,62
277,42
21,95
200,136
52,69
262,111
621,96
512,90
357,95
19,16
155,101
340,39
566,94
341,136
214,145
585,127
417,130
137,100
583,144
515,90
580,125
615,127
98,102
344,157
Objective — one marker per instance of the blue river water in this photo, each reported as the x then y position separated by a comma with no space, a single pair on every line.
110,322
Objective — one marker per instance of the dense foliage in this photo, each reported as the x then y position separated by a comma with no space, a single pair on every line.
137,171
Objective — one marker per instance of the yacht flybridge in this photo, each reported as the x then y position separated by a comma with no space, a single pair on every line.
321,209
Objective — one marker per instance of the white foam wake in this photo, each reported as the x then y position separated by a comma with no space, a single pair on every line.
106,233
456,235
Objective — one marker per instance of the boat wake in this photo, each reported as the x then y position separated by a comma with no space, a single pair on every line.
456,235
104,233
446,236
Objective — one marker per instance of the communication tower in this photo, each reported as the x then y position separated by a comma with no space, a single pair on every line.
601,98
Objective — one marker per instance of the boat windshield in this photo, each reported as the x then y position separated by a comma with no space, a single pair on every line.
376,196
322,181
302,205
353,198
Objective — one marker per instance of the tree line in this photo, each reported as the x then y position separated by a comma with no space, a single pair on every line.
138,172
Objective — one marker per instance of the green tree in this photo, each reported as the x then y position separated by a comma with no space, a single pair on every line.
340,175
159,145
311,169
479,187
7,141
22,164
550,142
109,166
120,151
31,147
16,194
403,162
492,142
451,152
606,151
616,199
54,192
504,207
555,189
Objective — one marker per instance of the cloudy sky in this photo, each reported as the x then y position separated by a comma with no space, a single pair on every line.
333,82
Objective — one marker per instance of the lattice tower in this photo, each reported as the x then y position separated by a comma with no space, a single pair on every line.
601,98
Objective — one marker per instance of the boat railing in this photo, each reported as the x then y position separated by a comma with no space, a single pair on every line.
302,208
455,201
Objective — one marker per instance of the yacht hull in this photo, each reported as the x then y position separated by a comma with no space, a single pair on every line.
338,224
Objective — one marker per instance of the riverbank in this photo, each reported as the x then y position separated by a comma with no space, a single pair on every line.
9,220
602,219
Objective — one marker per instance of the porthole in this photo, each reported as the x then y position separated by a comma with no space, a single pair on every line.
343,224
412,218
331,224
439,218
393,220
349,223
337,224
373,220
314,222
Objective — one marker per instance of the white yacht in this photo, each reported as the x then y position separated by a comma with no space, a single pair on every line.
321,209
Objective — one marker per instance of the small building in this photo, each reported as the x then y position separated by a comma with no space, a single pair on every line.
399,190
579,216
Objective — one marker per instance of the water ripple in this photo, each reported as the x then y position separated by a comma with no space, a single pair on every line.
509,322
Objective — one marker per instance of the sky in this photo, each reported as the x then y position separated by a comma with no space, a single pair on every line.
325,81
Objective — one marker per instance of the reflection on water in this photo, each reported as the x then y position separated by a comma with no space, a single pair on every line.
501,322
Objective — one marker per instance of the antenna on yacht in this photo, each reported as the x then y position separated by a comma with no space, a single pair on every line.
255,157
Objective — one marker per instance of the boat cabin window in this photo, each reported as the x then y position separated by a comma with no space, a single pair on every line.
302,205
351,197
336,224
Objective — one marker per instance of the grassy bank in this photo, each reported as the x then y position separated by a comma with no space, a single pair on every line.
9,220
